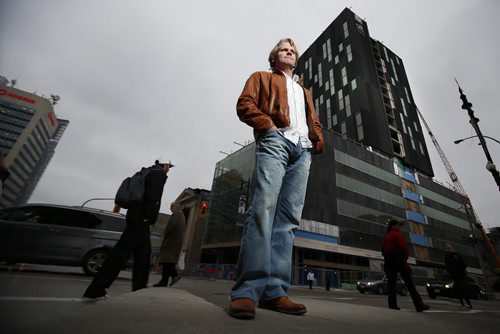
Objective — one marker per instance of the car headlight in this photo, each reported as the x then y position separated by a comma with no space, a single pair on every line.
369,283
427,285
448,286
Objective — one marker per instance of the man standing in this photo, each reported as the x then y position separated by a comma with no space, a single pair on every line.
287,131
135,239
171,245
455,266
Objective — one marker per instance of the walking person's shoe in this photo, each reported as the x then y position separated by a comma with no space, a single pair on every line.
395,307
175,280
284,305
242,308
93,294
423,308
160,284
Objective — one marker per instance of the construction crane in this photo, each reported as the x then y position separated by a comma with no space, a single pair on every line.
469,210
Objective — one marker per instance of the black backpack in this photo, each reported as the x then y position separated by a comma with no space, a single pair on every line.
131,191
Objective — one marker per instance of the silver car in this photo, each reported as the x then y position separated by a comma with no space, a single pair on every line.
58,235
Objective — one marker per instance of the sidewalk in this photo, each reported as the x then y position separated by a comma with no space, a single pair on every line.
174,310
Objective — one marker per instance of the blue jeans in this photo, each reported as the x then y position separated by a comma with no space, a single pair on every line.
279,188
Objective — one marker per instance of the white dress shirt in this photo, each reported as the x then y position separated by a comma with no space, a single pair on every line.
298,130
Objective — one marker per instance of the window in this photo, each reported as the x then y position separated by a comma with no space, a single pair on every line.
346,30
347,101
408,185
336,59
413,206
394,70
324,51
407,95
341,47
421,148
334,120
421,252
343,72
320,75
354,84
328,114
359,126
349,53
385,53
321,100
403,123
404,107
343,129
329,49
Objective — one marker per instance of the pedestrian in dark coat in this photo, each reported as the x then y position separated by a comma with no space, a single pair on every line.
395,252
455,266
171,246
135,239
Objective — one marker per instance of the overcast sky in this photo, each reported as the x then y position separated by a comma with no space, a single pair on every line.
140,79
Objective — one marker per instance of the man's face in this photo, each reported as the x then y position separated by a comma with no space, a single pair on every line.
286,57
166,168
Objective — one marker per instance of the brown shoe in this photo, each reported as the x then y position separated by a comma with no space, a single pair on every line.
283,305
242,308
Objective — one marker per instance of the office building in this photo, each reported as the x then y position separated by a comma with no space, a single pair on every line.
29,134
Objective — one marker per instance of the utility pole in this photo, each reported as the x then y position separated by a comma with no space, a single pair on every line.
490,166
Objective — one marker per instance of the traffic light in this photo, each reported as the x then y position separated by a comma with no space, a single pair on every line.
204,207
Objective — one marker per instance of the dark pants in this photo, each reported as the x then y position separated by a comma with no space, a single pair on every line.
135,240
460,290
310,284
392,274
167,270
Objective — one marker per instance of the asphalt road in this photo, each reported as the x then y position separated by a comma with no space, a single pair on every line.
31,292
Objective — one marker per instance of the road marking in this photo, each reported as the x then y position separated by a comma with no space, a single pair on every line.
65,278
40,299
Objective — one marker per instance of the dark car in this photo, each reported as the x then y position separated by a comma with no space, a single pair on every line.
377,283
58,235
444,286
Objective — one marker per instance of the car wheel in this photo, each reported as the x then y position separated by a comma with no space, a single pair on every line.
93,261
432,295
380,290
403,291
362,291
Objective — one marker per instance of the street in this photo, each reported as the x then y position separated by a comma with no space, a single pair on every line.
30,294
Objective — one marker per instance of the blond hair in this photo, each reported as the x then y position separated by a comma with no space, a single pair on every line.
277,47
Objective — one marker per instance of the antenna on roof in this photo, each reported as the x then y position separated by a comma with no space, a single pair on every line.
54,99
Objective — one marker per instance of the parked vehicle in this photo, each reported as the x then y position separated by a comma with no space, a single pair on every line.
58,235
443,286
377,283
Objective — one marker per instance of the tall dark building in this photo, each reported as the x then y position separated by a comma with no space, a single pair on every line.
361,91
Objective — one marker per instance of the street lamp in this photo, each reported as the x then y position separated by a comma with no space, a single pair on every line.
458,141
490,166
97,199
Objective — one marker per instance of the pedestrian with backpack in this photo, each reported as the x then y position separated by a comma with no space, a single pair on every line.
135,239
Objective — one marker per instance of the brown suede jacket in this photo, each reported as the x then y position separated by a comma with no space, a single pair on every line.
263,103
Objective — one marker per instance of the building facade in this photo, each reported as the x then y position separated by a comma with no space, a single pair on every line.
29,134
351,193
